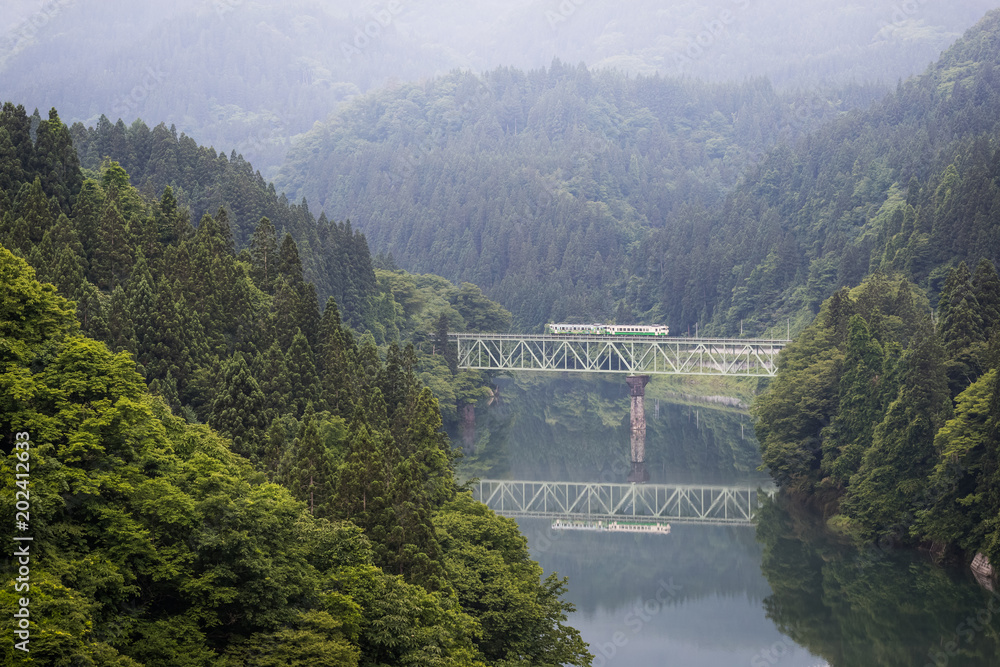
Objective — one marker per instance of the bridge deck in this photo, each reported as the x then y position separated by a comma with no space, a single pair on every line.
686,503
642,355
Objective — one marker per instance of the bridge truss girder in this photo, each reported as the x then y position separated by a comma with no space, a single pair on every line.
736,505
616,354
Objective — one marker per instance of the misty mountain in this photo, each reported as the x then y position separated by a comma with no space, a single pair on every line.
567,193
908,186
253,75
538,185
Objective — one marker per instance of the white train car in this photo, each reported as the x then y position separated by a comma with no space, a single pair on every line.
607,330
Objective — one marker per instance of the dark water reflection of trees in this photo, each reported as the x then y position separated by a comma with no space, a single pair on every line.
872,606
576,428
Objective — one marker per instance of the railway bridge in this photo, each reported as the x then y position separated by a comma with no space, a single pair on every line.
631,355
637,356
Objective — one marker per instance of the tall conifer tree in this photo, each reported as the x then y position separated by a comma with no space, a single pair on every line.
306,470
112,259
33,215
301,364
986,286
336,356
11,172
87,218
272,374
885,494
57,163
238,408
264,255
859,408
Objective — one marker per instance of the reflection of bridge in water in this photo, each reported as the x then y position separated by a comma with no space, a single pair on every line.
638,357
681,503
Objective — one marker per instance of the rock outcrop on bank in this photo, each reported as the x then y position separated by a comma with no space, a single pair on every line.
984,572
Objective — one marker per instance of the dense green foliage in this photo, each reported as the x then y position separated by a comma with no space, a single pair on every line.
539,186
304,528
884,411
892,418
152,539
289,264
333,257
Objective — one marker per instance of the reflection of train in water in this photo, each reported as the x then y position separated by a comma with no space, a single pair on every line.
620,525
607,329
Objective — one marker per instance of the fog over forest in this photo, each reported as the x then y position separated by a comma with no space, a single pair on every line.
252,75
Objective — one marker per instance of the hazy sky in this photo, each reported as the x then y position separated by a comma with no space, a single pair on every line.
253,74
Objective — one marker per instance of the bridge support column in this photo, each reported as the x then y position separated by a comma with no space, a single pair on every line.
637,388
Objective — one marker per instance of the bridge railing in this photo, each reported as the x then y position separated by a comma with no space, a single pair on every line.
619,354
581,338
736,505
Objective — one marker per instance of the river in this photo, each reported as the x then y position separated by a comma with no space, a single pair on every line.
782,592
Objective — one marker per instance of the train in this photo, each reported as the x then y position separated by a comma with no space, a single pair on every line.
624,526
607,330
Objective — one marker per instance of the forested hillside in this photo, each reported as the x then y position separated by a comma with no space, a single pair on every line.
317,522
567,193
334,258
609,191
887,414
254,74
886,409
541,186
910,185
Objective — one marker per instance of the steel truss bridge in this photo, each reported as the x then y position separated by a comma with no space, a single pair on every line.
637,355
682,503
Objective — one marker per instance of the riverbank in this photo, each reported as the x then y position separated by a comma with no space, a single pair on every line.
812,514
728,392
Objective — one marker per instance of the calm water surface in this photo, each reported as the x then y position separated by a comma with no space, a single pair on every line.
779,593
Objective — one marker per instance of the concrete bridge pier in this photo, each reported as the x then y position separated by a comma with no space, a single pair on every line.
637,388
